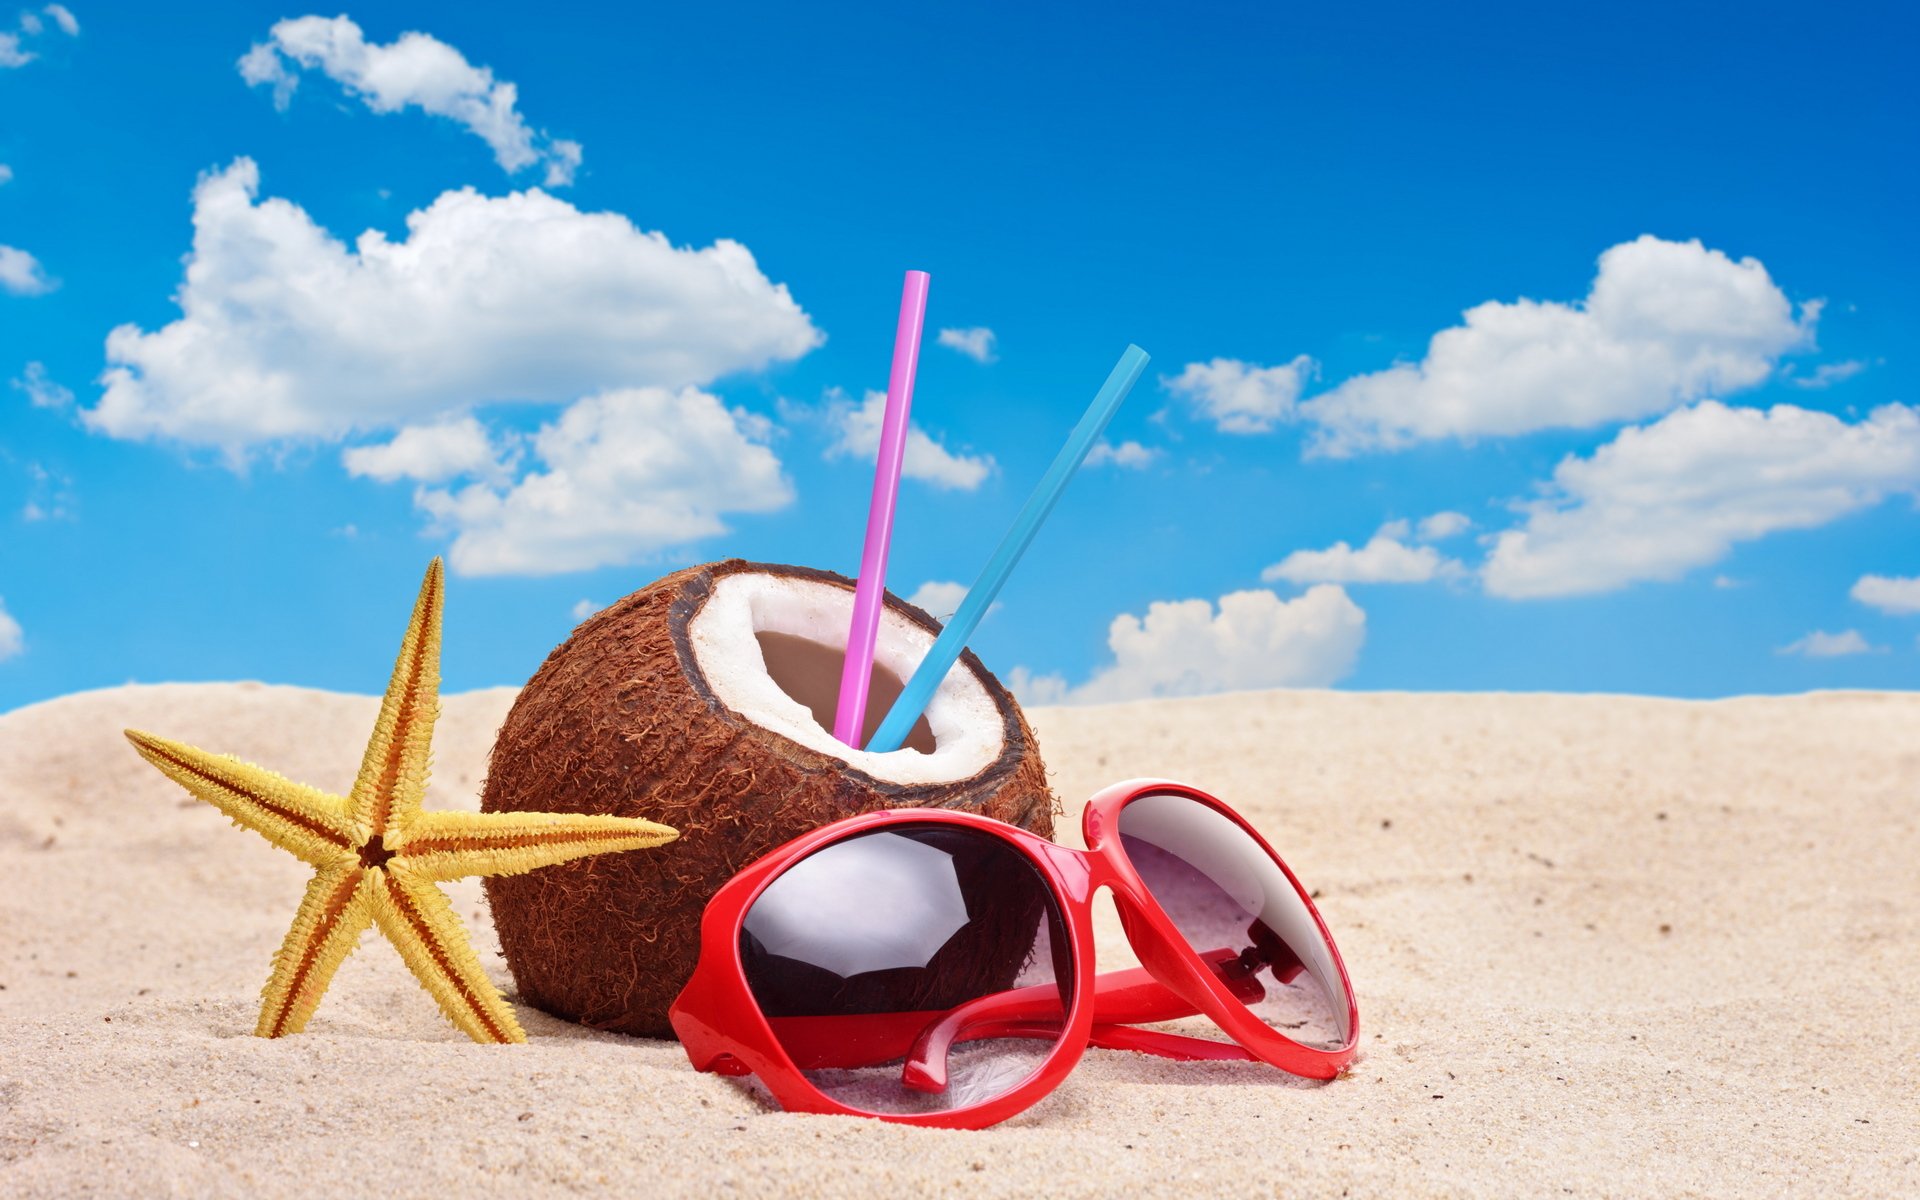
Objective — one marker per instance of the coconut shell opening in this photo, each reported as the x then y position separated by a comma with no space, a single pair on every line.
703,701
810,673
958,734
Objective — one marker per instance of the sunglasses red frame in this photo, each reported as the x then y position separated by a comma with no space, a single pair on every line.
723,1030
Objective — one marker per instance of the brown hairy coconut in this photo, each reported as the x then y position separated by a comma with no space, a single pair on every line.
705,701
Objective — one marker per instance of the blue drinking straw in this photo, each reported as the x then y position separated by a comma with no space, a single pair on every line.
946,648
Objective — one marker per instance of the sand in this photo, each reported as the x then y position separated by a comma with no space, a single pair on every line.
1602,946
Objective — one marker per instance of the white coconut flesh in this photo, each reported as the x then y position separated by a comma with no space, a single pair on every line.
725,636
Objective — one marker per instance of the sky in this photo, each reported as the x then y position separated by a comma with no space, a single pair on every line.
1494,347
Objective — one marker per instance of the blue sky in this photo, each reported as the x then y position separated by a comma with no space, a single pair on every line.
1677,432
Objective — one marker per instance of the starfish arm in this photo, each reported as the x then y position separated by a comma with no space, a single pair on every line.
302,820
337,907
393,775
454,845
421,923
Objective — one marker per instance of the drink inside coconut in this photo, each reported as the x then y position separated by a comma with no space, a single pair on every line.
705,701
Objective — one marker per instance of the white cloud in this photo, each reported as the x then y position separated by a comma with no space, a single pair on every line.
428,454
1827,374
1241,397
6,174
1660,500
1727,583
1443,525
1031,689
976,343
857,430
13,53
585,608
285,332
939,597
50,495
12,640
1129,455
1666,323
1830,645
1187,648
1892,595
21,273
41,390
1386,558
622,475
563,162
262,66
416,70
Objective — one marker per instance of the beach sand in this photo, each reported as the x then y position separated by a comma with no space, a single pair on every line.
1601,945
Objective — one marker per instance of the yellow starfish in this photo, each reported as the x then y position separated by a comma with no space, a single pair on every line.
378,854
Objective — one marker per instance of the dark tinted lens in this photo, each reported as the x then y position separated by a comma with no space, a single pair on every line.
917,968
1240,912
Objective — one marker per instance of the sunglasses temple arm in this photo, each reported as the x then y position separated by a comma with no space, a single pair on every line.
1135,997
1176,1046
867,1040
1132,997
924,1037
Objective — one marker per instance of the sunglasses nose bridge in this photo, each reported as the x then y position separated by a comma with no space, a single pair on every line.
1072,872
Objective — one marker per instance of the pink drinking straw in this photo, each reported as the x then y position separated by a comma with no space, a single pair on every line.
849,719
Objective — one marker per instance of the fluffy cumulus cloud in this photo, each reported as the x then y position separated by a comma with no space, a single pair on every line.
1386,558
1662,499
1443,525
857,434
1035,690
21,273
940,597
1665,323
429,454
1252,639
413,71
285,332
1127,455
1819,644
12,639
620,476
1241,397
1890,594
32,24
976,343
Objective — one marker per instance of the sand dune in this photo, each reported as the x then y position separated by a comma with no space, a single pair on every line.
1602,946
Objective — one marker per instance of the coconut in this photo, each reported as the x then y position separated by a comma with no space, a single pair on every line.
704,701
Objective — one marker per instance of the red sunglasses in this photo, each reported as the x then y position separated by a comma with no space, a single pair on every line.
933,967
